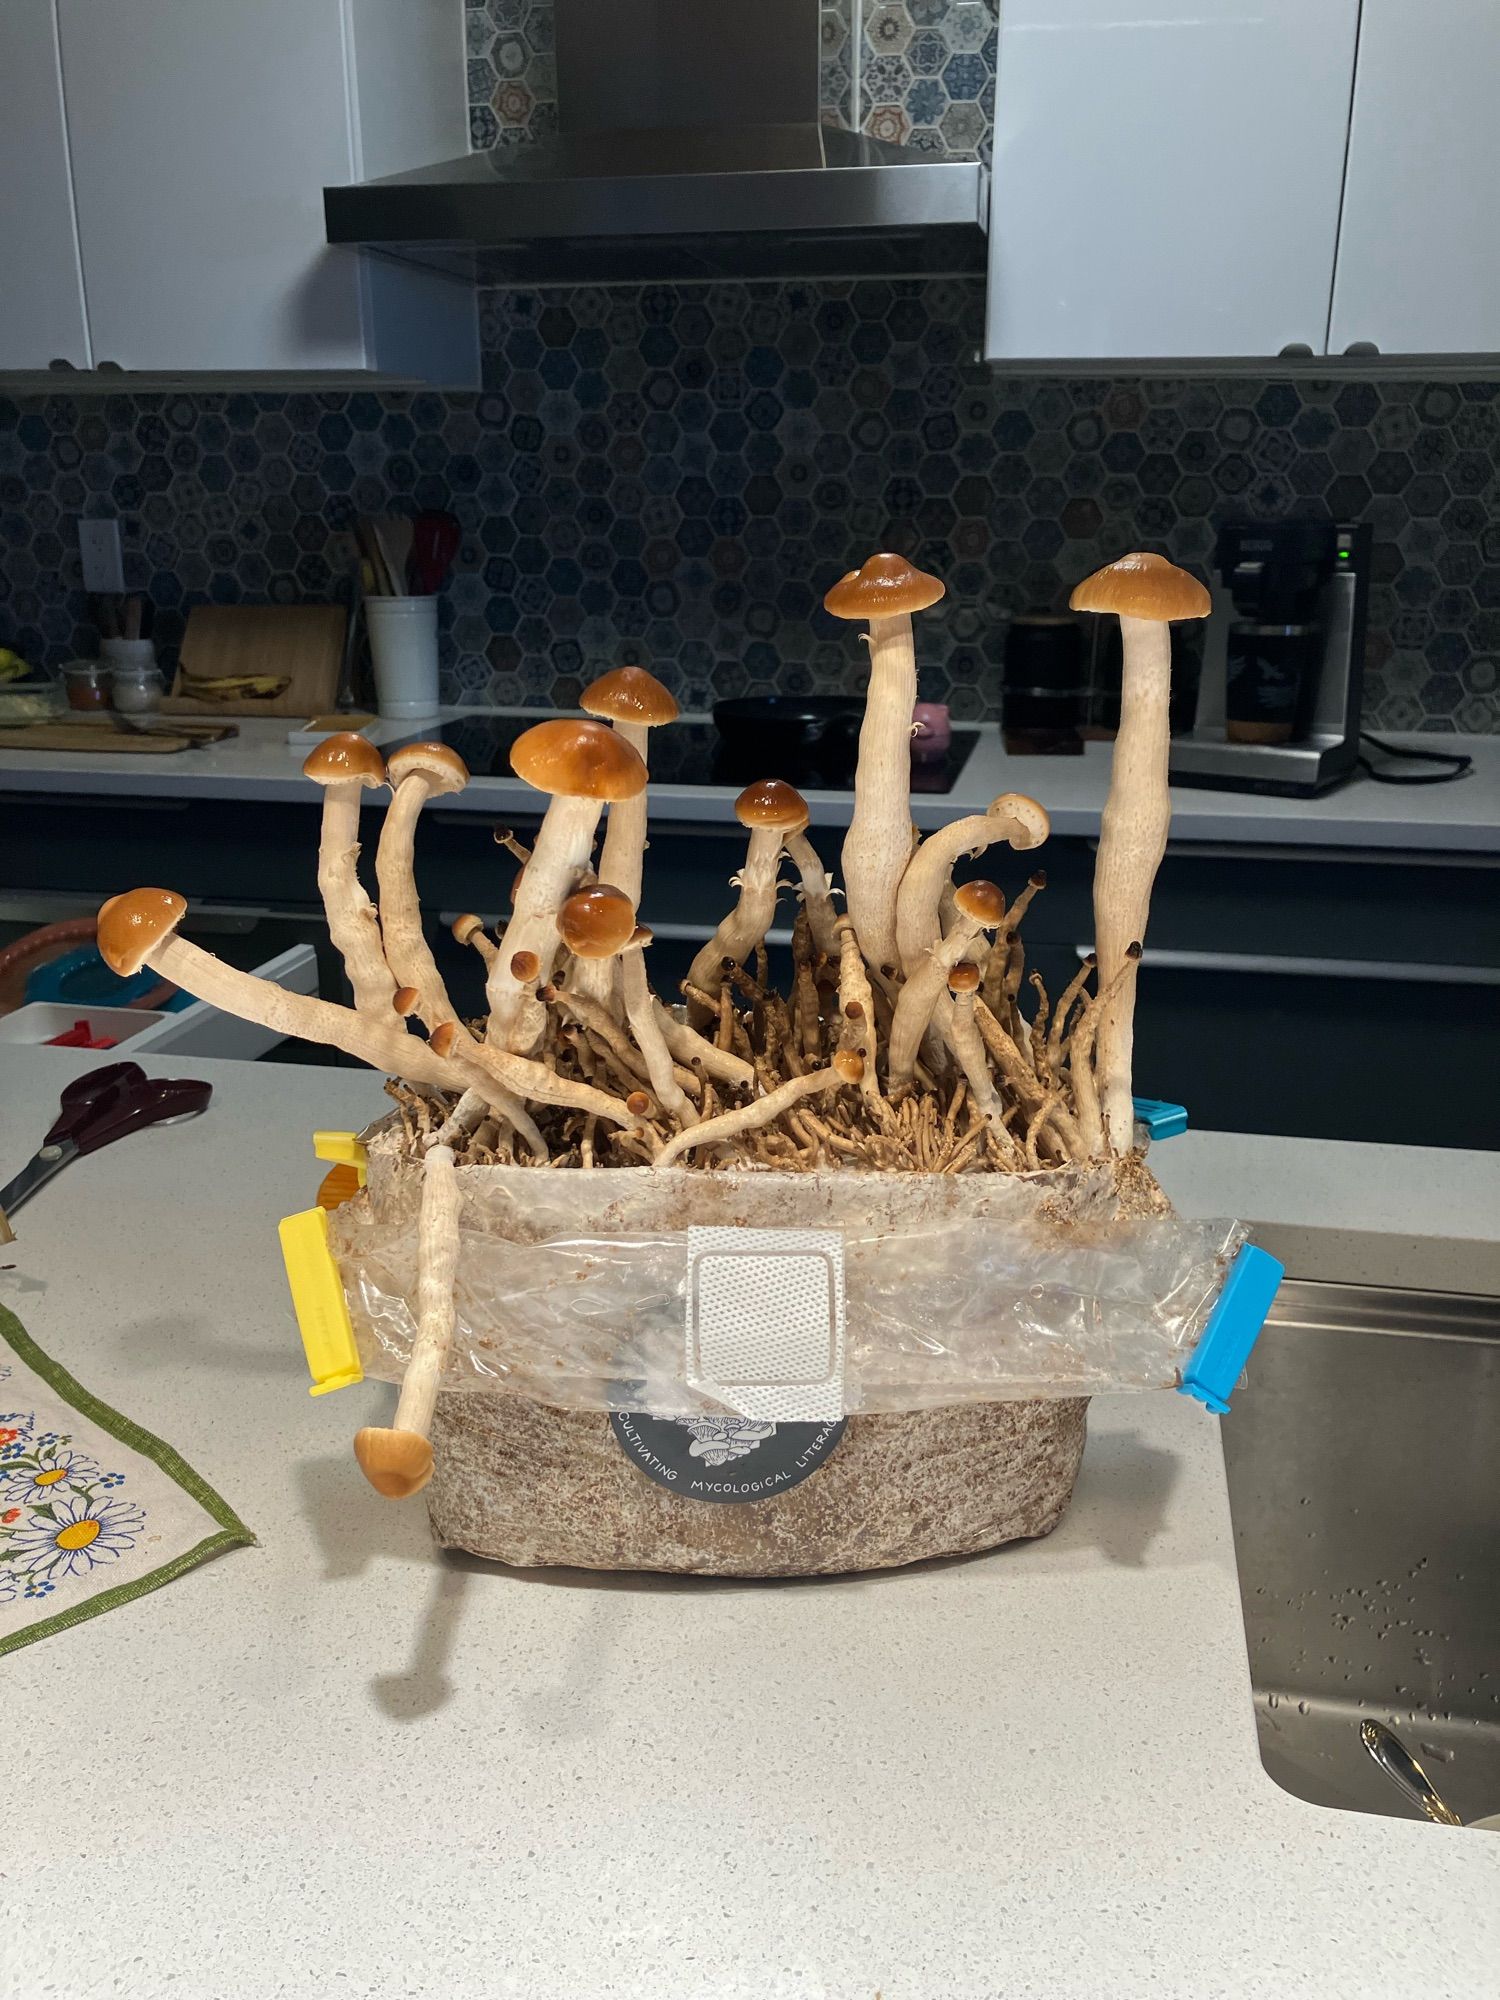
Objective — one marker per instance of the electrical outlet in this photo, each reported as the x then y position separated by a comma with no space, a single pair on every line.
103,565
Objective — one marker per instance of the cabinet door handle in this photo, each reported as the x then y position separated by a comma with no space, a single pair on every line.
1316,968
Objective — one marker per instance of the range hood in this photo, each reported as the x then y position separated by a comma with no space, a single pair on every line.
689,144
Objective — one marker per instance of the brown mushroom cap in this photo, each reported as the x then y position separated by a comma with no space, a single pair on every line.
132,924
525,966
464,927
640,937
345,759
442,1038
771,802
578,760
596,922
1142,586
444,769
964,978
850,1064
886,587
629,694
404,1000
982,902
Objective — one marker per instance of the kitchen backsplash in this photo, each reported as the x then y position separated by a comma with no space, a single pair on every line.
676,474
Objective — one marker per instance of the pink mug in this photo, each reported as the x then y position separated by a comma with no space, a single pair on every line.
932,731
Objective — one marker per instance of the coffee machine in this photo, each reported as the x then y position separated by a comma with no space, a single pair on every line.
1283,661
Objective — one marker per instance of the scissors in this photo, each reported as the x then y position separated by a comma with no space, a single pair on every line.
99,1108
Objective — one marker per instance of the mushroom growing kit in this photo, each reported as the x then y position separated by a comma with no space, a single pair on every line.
737,1279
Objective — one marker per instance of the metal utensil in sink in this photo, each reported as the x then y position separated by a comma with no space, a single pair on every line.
1405,1773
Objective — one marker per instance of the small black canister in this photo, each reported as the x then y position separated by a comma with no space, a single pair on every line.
1042,697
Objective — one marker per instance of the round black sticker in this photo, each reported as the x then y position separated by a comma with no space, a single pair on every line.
724,1458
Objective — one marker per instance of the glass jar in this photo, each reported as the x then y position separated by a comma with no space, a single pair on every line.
86,683
138,690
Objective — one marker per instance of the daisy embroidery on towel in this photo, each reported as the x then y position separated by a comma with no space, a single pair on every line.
38,1478
73,1535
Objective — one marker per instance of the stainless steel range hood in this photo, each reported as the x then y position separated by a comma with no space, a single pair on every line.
689,144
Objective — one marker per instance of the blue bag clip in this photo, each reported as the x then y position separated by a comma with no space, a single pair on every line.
1161,1120
1233,1328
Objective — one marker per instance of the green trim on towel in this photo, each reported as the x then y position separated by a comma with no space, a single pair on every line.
233,1534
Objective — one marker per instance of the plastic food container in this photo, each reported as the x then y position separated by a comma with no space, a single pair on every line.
31,701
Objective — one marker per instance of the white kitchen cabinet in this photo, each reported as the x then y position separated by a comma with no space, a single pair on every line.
200,140
1419,247
1166,178
42,315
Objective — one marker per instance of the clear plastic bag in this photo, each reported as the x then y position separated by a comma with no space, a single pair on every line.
571,1286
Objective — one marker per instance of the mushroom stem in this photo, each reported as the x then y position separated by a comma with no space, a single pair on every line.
968,1046
398,1462
563,846
690,1048
384,1044
857,1007
1017,1071
1081,1066
751,1117
485,1064
352,923
400,911
470,930
622,857
816,900
1064,1007
920,894
1132,841
918,998
878,844
641,1014
747,923
464,1118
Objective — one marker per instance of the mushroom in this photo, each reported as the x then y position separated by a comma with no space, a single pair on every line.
469,929
582,764
886,591
139,929
398,1461
640,1011
1012,817
635,702
968,1044
416,773
1146,593
979,906
846,1067
345,765
770,810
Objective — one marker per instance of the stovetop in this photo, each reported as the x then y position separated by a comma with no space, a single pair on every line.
694,753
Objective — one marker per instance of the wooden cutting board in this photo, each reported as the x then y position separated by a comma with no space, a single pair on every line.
90,736
301,643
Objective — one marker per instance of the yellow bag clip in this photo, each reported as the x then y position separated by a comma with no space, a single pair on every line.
318,1300
344,1147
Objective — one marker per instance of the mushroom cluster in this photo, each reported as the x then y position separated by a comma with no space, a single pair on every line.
909,1035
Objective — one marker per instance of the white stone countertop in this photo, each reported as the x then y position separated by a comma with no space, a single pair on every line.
341,1764
1463,816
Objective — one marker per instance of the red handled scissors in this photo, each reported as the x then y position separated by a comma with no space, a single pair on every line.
99,1108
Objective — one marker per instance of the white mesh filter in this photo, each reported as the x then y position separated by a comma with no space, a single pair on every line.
765,1321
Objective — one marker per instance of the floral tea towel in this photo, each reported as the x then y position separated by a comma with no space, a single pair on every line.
94,1511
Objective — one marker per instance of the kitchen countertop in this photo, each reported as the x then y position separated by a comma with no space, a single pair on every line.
341,1763
258,764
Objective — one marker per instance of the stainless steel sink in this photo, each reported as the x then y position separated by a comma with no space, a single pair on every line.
1364,1480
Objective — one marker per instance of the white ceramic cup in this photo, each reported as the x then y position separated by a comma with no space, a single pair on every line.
404,651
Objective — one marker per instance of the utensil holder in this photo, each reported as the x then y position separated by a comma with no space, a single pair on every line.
404,653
